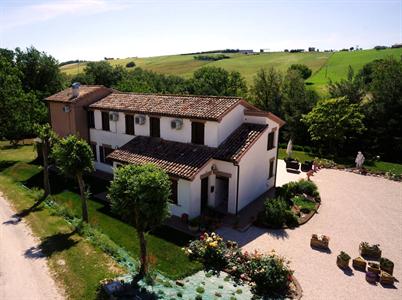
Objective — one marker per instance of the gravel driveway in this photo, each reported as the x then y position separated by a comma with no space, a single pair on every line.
354,208
21,277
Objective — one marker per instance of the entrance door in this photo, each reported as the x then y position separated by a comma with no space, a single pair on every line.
154,127
204,193
222,193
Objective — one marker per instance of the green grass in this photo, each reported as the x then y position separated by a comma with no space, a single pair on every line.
164,245
325,65
303,203
375,166
76,264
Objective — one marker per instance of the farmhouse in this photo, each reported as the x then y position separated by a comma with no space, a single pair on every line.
219,152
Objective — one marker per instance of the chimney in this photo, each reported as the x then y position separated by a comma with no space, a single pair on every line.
76,89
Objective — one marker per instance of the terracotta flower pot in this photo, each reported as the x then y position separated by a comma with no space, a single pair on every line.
386,278
342,263
359,264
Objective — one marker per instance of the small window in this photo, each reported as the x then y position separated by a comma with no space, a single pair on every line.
103,153
93,147
154,127
91,119
105,121
271,140
197,133
271,169
173,188
130,124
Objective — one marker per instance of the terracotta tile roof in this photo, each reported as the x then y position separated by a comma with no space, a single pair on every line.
188,106
66,95
269,115
234,147
185,160
177,159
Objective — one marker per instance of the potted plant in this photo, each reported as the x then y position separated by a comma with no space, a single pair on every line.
319,241
372,251
371,277
387,265
342,260
386,278
359,263
194,225
374,268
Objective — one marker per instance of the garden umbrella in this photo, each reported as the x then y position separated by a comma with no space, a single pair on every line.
289,148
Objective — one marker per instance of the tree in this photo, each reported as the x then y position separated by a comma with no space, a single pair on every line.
304,71
266,91
352,88
73,156
217,81
296,101
383,109
40,73
18,110
47,139
333,123
140,194
103,73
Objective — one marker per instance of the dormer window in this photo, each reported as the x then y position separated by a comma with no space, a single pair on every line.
197,133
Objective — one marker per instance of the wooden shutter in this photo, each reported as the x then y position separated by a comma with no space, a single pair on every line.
105,121
271,138
101,154
271,169
91,119
154,127
173,187
197,133
130,124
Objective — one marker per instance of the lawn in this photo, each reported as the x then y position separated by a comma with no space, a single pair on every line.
164,244
77,265
375,166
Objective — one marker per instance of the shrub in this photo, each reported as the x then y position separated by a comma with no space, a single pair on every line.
291,219
270,273
275,212
300,187
130,64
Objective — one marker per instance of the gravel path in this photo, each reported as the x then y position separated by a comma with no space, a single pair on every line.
354,208
21,277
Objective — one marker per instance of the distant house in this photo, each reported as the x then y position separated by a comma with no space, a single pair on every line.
246,51
219,152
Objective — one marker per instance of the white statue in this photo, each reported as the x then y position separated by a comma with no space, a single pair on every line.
359,160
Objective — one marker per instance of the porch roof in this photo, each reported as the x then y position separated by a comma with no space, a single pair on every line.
185,160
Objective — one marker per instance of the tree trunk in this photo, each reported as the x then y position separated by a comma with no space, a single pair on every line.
83,198
46,182
143,250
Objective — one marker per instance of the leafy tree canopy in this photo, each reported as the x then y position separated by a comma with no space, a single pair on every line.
304,71
103,73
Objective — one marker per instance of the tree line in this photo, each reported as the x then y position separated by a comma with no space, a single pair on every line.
361,112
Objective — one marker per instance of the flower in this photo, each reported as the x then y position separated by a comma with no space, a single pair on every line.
213,244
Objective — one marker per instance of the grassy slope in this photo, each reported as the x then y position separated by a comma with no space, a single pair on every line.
77,265
324,65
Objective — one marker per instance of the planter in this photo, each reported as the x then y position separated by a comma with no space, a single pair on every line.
386,278
374,268
387,265
371,277
306,166
372,251
321,241
193,228
359,264
292,164
342,262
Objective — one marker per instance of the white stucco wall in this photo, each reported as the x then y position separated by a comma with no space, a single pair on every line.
182,135
230,122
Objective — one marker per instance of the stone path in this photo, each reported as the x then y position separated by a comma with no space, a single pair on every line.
354,208
22,277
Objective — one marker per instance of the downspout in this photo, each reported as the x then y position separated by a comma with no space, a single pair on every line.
237,190
276,162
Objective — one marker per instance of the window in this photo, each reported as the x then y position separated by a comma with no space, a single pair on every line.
271,169
105,120
104,151
271,140
130,124
154,127
173,187
91,119
93,147
197,133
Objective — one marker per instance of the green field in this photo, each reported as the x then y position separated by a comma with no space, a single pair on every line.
325,65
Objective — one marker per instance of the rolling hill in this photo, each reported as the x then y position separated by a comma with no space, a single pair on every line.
325,65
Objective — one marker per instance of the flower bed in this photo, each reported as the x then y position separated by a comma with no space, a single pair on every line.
267,274
295,204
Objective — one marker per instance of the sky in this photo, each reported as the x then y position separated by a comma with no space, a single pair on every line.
94,29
